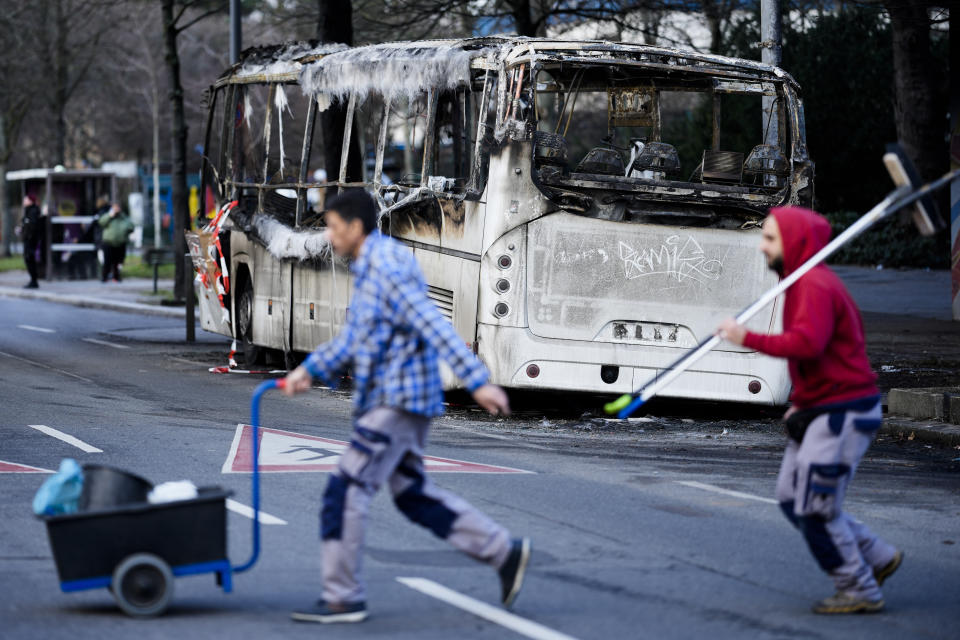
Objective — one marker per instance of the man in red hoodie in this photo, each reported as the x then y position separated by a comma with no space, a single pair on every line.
835,411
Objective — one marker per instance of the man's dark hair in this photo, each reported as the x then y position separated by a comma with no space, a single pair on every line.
355,204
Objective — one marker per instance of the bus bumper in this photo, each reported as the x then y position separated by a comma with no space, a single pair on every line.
513,355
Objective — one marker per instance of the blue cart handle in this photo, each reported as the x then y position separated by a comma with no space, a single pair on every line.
278,383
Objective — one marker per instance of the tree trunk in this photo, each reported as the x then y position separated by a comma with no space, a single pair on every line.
6,219
178,178
335,24
919,127
6,216
523,18
713,12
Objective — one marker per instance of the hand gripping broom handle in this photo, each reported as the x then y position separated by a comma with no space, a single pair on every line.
896,200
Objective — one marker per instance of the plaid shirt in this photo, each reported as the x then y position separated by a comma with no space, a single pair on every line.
394,336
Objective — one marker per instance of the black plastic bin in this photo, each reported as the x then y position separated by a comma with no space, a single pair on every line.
106,487
137,549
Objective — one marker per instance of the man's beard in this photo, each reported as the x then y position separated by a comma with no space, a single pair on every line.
776,264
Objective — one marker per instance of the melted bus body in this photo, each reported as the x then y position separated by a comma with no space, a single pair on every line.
579,210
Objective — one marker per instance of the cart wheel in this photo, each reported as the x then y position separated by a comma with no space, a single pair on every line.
142,585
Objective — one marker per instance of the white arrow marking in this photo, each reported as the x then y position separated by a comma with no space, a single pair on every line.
60,435
483,610
30,327
244,510
105,343
727,492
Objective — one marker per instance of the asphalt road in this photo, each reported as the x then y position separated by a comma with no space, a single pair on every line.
632,538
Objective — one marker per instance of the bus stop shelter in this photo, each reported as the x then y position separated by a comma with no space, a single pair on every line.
68,200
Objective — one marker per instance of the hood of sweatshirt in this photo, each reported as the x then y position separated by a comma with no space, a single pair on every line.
803,232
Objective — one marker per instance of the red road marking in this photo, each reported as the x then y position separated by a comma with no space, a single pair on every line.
13,467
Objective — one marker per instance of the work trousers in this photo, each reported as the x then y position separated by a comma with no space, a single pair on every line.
811,486
388,445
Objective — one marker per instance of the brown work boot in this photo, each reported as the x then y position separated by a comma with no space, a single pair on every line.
841,602
880,574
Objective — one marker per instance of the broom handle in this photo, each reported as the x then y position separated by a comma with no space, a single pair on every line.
684,362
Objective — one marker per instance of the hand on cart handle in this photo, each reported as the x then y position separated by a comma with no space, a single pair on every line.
297,381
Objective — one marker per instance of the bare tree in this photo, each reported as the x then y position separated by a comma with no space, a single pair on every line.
16,61
70,40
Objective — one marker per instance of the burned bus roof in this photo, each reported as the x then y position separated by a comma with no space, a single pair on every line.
407,68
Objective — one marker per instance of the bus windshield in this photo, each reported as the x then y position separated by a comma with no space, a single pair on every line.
626,144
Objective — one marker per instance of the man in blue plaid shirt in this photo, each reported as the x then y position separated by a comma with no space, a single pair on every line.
394,337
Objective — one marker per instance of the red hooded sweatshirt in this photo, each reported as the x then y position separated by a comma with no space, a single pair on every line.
822,335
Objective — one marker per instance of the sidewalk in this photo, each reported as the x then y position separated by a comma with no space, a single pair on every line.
132,295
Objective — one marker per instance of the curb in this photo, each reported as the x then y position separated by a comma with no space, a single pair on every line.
932,432
95,303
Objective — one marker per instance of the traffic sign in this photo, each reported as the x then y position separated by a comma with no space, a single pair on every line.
287,452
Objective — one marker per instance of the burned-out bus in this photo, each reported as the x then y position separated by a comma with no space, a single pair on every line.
582,211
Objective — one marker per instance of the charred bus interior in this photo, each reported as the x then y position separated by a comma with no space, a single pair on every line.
626,144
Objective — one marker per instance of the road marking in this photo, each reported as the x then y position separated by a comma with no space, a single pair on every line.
726,492
105,343
244,510
13,467
30,327
45,366
66,437
286,452
483,610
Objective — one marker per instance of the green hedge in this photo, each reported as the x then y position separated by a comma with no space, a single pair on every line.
893,242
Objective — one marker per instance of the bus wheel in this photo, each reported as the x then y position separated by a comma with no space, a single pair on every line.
252,354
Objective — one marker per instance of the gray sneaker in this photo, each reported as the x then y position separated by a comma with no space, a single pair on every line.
513,569
332,612
841,602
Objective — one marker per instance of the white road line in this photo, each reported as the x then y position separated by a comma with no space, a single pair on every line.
45,366
30,327
244,510
483,610
105,343
726,492
60,435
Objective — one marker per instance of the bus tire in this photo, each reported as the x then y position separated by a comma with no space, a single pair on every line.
252,354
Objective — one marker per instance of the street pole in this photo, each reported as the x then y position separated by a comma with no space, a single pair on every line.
770,54
235,31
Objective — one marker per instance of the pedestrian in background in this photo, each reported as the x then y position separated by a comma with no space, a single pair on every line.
835,412
393,338
31,234
94,235
116,227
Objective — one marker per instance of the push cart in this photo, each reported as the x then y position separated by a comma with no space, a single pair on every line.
136,549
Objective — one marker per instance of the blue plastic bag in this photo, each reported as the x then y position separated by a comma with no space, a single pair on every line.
60,493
